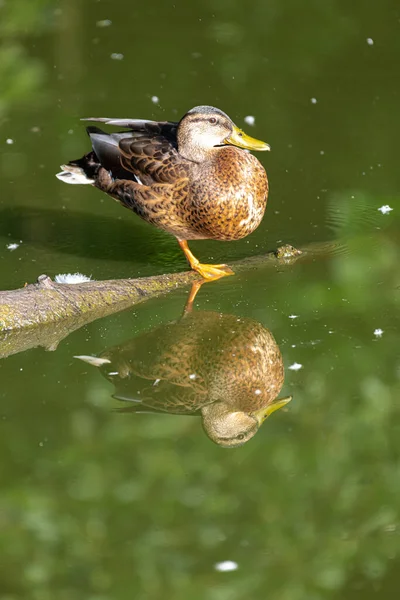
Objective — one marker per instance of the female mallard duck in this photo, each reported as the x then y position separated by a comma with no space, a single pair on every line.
194,179
226,369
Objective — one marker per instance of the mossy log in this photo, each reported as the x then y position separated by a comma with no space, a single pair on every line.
43,313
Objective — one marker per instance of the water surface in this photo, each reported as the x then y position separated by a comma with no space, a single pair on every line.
97,503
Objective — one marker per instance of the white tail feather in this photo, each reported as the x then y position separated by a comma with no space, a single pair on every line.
94,360
75,175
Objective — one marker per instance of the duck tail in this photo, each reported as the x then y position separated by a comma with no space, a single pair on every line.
81,171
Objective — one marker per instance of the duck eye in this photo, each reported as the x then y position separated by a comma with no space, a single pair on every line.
213,120
240,436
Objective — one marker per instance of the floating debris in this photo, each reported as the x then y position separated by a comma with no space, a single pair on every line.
117,56
295,367
9,141
293,316
72,278
385,209
155,99
313,101
370,41
250,120
226,565
12,247
104,23
378,333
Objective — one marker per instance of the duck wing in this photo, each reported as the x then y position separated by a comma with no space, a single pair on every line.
149,150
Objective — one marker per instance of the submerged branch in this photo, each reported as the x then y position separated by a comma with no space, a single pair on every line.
44,313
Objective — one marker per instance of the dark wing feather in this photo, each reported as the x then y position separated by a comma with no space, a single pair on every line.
149,150
152,154
167,398
108,153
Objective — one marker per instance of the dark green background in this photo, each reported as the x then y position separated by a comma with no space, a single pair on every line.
98,505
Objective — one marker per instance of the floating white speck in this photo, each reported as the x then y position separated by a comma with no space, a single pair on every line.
313,101
385,209
117,56
9,141
155,99
156,381
113,373
72,278
104,23
257,392
378,333
295,367
192,376
370,41
226,565
12,247
250,120
321,152
293,316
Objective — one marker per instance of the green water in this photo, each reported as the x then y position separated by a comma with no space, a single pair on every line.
101,504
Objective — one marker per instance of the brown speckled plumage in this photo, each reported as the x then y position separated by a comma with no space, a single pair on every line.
220,366
193,179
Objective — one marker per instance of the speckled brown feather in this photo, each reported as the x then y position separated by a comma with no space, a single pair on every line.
206,357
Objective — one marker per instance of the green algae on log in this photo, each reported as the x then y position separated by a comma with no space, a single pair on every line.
44,313
46,301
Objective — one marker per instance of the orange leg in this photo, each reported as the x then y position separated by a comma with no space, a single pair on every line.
196,285
207,271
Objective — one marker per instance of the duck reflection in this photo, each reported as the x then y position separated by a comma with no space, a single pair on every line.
228,370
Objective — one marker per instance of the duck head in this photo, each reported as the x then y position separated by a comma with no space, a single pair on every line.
230,428
204,129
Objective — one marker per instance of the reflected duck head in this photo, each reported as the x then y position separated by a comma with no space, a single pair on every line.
232,428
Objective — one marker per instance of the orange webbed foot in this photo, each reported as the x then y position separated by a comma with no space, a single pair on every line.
211,272
208,272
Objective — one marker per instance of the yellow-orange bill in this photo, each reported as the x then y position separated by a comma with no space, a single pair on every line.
265,412
242,140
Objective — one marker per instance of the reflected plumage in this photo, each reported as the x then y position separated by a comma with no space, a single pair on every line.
194,179
227,369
